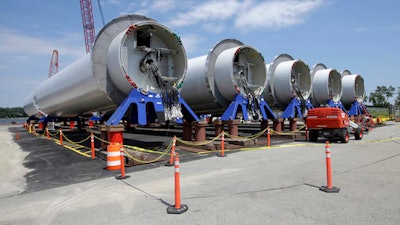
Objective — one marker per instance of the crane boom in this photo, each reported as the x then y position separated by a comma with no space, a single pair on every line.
87,23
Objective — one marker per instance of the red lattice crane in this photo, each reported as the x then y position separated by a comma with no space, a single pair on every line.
53,69
88,23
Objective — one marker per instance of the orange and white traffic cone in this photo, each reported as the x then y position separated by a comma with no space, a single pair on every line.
329,188
178,208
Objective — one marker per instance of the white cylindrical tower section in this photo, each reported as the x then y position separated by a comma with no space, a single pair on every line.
353,89
286,78
345,73
146,56
238,70
129,52
212,81
326,85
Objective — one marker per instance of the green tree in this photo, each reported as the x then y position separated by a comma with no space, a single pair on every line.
397,100
380,97
12,112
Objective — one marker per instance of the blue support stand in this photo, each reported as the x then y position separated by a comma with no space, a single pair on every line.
292,109
231,111
309,105
146,106
240,102
95,118
339,105
266,111
187,111
357,109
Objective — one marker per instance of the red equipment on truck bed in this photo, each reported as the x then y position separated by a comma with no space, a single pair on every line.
331,123
327,118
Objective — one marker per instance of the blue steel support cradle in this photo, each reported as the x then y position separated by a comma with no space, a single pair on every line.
339,105
292,109
141,100
309,105
266,111
241,102
357,109
95,118
232,110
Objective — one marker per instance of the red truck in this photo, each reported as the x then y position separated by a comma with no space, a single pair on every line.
331,123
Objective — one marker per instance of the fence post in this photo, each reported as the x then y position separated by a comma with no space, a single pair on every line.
306,133
61,137
122,159
47,134
222,153
172,155
92,145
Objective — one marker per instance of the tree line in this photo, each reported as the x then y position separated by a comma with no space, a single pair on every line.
12,112
380,97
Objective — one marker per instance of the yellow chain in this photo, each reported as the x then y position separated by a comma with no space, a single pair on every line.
102,140
198,143
287,133
254,136
78,142
54,134
150,161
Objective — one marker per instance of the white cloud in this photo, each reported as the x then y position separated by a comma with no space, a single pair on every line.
208,11
248,14
112,2
192,43
276,14
15,42
361,29
151,7
163,5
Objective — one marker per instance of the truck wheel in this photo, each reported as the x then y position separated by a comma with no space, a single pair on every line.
344,138
358,133
313,135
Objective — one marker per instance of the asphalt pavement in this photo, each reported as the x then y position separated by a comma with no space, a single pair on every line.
277,185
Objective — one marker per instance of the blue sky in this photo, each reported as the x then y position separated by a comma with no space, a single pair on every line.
361,36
